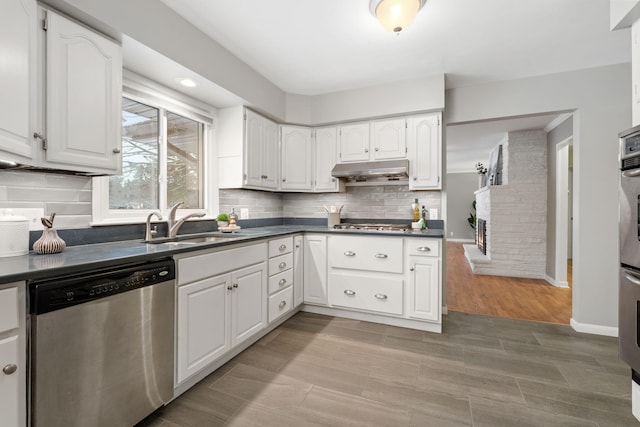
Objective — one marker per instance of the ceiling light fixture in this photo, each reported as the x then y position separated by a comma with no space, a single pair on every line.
395,15
185,81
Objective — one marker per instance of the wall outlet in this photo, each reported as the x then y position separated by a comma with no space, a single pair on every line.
433,213
244,213
33,214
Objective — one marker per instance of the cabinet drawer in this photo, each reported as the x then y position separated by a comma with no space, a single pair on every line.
198,267
366,253
423,247
280,263
280,303
366,292
8,309
280,281
280,246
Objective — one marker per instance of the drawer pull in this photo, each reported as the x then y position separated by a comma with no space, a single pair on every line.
349,253
282,304
349,292
282,265
382,256
424,249
9,369
235,285
380,296
282,282
283,247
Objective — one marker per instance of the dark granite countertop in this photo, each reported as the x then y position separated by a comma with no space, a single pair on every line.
82,258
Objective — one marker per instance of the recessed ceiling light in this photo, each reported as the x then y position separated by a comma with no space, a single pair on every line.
185,81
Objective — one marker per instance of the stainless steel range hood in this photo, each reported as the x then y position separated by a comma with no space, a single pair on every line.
382,169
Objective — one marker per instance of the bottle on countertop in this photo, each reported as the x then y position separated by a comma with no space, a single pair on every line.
233,217
425,215
416,210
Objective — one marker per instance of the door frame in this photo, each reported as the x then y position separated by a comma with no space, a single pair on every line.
562,212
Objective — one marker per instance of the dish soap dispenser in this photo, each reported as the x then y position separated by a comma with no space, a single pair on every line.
416,210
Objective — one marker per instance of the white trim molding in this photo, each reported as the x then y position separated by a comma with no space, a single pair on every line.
557,122
587,328
556,283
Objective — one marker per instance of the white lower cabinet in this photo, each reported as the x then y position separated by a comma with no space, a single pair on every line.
222,302
315,269
371,292
298,270
13,378
424,289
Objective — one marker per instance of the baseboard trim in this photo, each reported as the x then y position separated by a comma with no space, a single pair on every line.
445,310
461,240
588,328
556,283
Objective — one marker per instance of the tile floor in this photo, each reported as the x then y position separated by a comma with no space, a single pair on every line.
482,371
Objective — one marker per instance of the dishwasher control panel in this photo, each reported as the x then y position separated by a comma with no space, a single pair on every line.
62,292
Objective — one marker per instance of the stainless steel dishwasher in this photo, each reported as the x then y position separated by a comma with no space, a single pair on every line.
102,345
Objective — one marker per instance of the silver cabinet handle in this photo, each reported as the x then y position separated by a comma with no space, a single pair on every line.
282,304
380,296
230,287
297,246
284,179
411,269
235,285
415,178
283,247
9,369
349,292
116,150
366,150
382,256
424,249
349,253
377,149
282,282
282,265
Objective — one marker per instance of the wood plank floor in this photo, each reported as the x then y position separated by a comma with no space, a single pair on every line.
515,298
482,371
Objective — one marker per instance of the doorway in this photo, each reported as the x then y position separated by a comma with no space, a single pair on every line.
564,212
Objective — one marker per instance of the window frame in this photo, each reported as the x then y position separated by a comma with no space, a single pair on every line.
138,89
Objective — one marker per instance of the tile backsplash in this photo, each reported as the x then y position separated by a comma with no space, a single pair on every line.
69,196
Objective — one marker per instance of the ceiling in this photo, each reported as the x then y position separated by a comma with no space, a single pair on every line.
314,47
322,46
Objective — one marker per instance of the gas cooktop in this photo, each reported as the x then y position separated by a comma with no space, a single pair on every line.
397,228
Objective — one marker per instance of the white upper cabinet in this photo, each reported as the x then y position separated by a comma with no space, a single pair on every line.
297,155
354,142
425,152
326,141
261,152
388,139
378,140
18,80
84,98
81,81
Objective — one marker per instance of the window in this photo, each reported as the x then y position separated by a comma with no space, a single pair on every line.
163,163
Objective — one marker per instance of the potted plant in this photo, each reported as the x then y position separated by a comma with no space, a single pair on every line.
482,175
223,220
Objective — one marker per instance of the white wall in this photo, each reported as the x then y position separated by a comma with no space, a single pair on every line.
460,196
602,100
426,94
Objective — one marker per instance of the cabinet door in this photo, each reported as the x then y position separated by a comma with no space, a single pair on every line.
354,143
389,139
326,142
253,130
315,269
203,329
10,384
18,80
296,158
425,157
298,270
424,288
270,155
248,302
84,98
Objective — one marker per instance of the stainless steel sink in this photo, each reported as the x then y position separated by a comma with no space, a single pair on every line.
192,239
